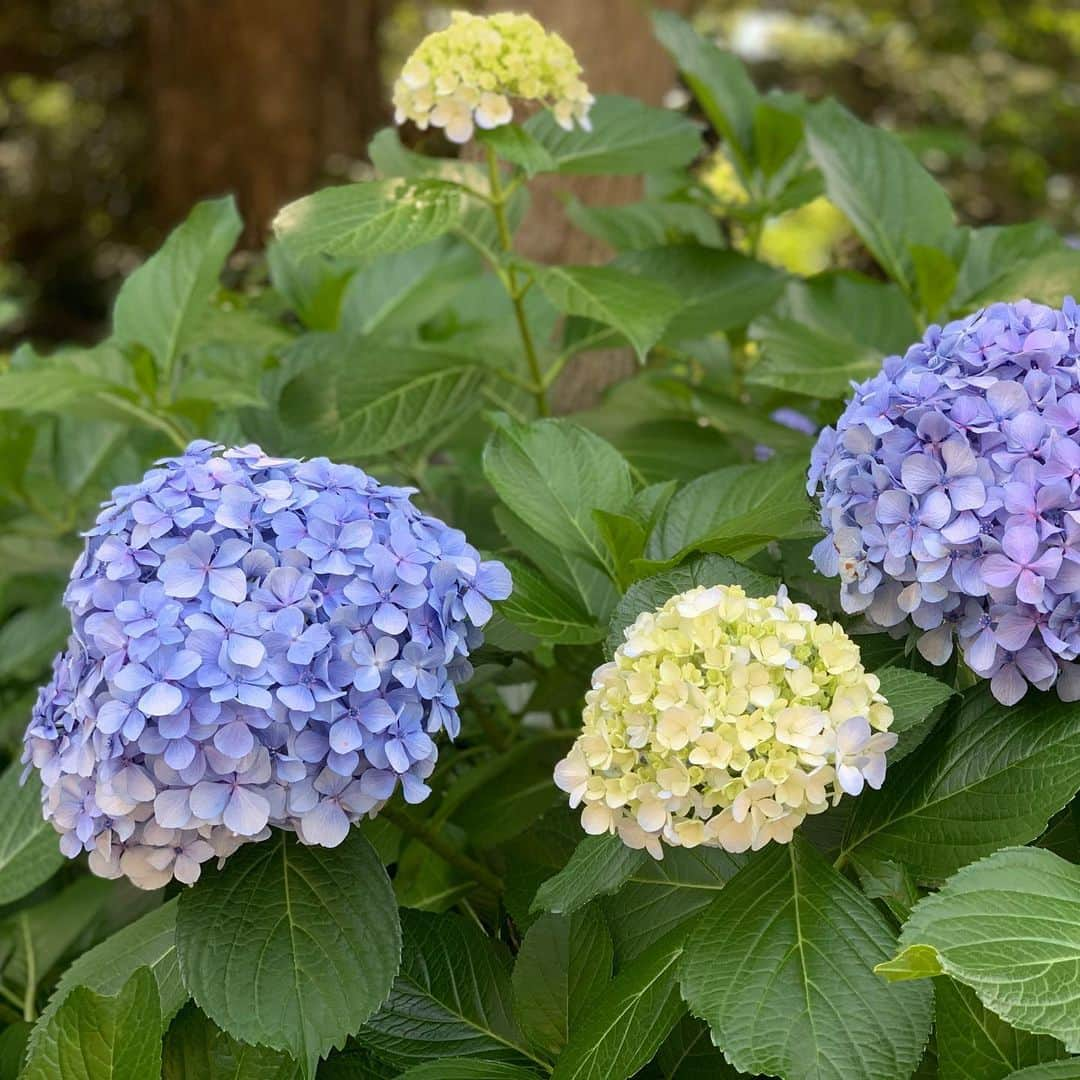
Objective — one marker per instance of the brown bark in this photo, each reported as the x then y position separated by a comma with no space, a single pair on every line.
613,40
254,97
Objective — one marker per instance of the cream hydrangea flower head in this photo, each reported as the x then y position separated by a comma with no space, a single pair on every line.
725,720
466,75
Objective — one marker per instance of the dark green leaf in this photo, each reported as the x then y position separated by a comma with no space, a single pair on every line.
29,847
197,1049
468,1069
599,865
515,144
1068,1069
688,1054
781,968
996,776
1047,278
13,1040
914,698
642,225
993,253
291,946
627,136
541,609
935,278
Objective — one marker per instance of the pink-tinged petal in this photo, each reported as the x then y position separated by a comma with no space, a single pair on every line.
346,736
326,825
208,799
1067,579
935,510
171,808
1014,630
893,506
962,529
246,812
959,458
230,584
967,493
981,652
1037,666
1020,543
161,699
936,646
1008,685
919,473
1029,588
1019,498
1048,563
999,572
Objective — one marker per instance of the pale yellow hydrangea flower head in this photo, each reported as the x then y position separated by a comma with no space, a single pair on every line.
469,74
725,720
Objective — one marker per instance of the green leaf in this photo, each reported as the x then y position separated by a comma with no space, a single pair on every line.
1008,927
935,278
541,609
652,592
627,136
661,894
717,79
890,199
552,474
291,946
451,999
467,1069
975,1044
996,776
29,639
312,287
914,698
688,1054
804,361
429,884
643,225
163,305
29,847
638,308
561,972
629,1018
376,217
720,290
348,401
91,1037
889,882
148,942
513,143
781,969
995,252
49,388
1068,1069
196,1047
1047,278
599,866
734,511
13,1040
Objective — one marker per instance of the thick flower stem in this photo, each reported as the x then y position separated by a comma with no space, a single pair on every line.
427,836
516,291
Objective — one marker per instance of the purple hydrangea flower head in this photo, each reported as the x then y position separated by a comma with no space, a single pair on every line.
256,642
950,496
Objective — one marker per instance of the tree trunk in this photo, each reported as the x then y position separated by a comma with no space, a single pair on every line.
254,98
614,42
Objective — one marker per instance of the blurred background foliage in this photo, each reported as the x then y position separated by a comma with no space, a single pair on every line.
101,148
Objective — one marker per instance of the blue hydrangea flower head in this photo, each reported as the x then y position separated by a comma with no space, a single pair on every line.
950,495
256,642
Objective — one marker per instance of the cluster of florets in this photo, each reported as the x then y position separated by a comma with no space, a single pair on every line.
467,76
949,496
725,720
256,641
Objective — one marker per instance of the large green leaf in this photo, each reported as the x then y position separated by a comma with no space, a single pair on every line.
560,973
642,225
1047,278
688,1053
91,1037
717,79
552,474
164,303
354,397
993,254
1067,1069
720,290
661,894
29,847
629,1018
1008,927
467,1069
451,999
890,199
599,865
637,307
291,946
541,609
914,698
372,218
196,1047
28,641
995,776
653,592
627,136
975,1044
734,511
781,967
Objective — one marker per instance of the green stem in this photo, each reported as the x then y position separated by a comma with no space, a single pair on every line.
154,420
516,292
29,1012
581,346
420,830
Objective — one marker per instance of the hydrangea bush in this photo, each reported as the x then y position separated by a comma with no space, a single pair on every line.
793,803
